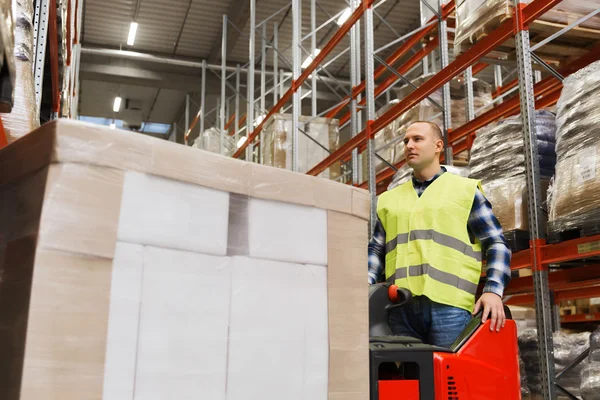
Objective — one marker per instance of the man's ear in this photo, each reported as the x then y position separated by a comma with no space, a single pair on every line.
439,145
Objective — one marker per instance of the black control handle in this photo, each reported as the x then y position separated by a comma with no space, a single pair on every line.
404,296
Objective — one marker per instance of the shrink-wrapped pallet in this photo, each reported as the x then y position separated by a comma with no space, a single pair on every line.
590,374
482,99
24,116
498,160
477,18
210,140
134,264
575,192
567,347
323,132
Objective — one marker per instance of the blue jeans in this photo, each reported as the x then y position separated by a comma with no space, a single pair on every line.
431,322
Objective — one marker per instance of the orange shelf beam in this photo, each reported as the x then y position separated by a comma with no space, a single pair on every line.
318,59
393,58
462,62
571,250
577,318
53,45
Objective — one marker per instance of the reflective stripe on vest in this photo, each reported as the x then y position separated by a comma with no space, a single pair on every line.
437,237
428,249
436,274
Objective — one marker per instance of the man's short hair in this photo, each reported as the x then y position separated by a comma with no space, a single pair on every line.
434,128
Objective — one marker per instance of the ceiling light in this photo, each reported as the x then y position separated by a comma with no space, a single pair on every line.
344,17
310,59
241,142
259,120
132,32
112,126
117,105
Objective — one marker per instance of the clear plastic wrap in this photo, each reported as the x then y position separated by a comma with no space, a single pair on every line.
567,347
525,392
575,194
482,99
498,150
210,140
278,145
23,118
590,374
475,18
7,37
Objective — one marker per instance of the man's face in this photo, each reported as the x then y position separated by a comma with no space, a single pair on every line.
421,146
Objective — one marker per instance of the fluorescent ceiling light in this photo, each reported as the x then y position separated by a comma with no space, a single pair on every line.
310,59
117,105
344,17
259,120
132,32
112,126
241,142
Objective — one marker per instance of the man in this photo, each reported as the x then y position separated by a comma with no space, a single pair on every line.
430,235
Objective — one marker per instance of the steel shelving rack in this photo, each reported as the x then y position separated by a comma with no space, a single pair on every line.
528,91
47,37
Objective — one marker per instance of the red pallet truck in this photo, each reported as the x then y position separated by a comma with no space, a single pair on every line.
480,365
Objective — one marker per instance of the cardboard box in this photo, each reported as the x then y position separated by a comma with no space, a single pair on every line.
509,201
112,244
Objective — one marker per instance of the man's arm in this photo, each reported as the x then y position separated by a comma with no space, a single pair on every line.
484,225
376,253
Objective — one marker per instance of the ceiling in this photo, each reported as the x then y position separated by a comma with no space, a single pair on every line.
190,30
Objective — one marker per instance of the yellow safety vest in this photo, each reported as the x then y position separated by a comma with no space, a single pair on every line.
428,249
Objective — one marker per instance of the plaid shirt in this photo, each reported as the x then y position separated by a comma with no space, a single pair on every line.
482,224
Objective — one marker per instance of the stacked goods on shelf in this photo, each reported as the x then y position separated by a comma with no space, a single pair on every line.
7,41
498,160
525,392
524,317
482,97
24,115
210,140
567,347
130,261
324,134
590,374
477,18
575,193
580,306
68,21
568,11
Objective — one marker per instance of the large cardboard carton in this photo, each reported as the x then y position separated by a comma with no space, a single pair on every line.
132,267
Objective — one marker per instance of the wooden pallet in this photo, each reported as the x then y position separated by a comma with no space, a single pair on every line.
560,51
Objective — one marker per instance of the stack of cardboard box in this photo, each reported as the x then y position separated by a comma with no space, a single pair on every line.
128,261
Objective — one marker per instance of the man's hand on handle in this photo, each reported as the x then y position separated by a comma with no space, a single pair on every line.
493,308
